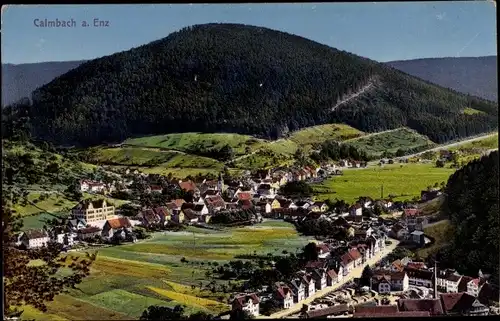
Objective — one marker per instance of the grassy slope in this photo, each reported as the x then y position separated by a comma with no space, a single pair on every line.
124,280
391,141
403,180
321,133
442,232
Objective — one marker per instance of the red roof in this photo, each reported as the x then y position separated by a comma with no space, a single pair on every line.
354,253
119,222
314,264
332,274
156,188
243,299
244,196
457,301
323,247
216,201
433,306
376,309
189,186
283,291
411,212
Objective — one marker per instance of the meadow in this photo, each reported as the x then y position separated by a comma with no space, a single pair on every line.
442,232
126,279
391,141
404,181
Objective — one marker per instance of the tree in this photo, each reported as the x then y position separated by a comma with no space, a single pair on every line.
366,275
439,163
239,314
34,285
310,252
200,316
300,188
156,312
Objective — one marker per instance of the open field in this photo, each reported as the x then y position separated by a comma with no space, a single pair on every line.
478,146
126,279
404,181
391,141
442,232
472,111
321,133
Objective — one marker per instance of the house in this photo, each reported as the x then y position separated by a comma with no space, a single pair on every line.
178,217
452,282
356,210
92,186
397,266
148,217
299,290
473,285
347,263
76,224
320,278
335,310
264,207
266,190
209,193
248,302
418,238
323,250
398,231
356,256
302,204
189,186
199,208
420,277
331,277
93,210
442,275
90,232
114,225
215,203
163,213
67,239
462,304
190,216
175,205
245,204
387,281
284,296
275,204
433,306
35,238
309,283
319,207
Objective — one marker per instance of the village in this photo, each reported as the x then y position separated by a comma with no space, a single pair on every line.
329,285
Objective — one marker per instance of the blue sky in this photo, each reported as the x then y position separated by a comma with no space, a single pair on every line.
380,31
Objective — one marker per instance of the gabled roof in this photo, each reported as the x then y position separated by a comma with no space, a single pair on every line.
283,290
332,274
285,203
454,278
99,203
354,253
244,196
462,286
36,234
457,302
190,214
433,306
120,222
245,204
410,212
149,215
90,229
398,265
379,309
216,201
188,186
162,211
242,299
419,274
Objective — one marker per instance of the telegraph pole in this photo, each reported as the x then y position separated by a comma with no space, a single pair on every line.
382,191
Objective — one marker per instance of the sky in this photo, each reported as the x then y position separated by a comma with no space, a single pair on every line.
379,31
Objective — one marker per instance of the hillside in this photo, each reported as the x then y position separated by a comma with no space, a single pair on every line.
247,80
19,81
471,203
470,75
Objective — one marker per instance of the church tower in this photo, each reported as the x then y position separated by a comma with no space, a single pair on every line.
220,183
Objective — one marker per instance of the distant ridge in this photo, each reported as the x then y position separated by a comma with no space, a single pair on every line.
469,75
20,80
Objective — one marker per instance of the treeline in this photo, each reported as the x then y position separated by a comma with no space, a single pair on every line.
472,205
232,217
243,79
333,150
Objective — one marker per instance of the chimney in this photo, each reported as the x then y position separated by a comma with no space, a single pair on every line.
435,280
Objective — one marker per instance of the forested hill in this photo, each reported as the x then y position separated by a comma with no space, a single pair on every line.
19,81
472,205
471,75
243,79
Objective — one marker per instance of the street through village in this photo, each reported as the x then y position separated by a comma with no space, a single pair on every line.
355,273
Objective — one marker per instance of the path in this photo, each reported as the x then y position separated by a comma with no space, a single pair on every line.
372,134
355,273
352,96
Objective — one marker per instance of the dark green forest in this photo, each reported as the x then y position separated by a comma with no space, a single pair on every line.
243,79
472,205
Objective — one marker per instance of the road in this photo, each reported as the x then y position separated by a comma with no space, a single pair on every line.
356,273
352,96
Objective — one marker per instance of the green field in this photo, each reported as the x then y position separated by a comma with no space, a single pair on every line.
321,133
126,279
391,141
472,111
405,181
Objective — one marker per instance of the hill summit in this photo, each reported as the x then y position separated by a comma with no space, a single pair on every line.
243,79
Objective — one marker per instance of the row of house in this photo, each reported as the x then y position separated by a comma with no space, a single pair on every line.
327,271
